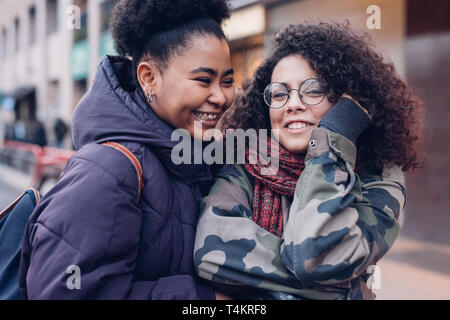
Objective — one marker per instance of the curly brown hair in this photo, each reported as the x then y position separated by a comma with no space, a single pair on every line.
345,62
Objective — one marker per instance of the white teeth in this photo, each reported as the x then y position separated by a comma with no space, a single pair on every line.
206,116
298,125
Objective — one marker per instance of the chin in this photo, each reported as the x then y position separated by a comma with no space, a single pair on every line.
296,146
297,149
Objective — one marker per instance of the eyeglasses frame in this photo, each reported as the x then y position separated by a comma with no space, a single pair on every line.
289,94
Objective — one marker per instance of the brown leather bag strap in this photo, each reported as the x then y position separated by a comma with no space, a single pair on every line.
133,160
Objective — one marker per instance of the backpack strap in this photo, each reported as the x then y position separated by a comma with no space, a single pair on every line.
37,197
133,160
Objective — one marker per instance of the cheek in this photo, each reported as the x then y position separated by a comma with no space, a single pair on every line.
321,110
229,96
176,95
176,111
276,117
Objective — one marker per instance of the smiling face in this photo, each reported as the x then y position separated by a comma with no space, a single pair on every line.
295,121
196,87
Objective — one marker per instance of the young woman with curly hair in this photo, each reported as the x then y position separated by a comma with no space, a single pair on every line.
345,127
174,70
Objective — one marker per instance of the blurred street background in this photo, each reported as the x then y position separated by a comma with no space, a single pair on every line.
50,49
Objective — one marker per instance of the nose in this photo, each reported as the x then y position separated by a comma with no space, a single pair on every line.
294,102
217,96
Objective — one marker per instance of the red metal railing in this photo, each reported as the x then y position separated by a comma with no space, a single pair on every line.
44,157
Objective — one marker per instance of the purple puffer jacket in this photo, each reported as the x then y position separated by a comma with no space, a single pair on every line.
92,220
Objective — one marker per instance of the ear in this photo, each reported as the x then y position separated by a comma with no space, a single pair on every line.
148,76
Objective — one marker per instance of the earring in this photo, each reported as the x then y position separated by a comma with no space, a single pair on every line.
149,96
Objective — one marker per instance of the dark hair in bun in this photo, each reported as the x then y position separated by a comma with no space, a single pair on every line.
160,27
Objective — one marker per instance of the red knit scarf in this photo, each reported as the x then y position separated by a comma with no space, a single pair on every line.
267,210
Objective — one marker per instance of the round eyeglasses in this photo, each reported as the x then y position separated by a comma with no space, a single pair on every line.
276,94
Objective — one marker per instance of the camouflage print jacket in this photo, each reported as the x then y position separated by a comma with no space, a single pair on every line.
336,227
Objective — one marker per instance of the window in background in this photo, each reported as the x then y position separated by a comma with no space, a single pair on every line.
246,55
80,88
4,42
106,13
80,50
81,34
106,41
16,35
53,95
32,26
52,16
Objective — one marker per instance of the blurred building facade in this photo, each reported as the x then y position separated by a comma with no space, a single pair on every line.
49,51
46,58
253,24
49,64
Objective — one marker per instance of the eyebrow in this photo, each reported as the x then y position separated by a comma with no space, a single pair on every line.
228,72
288,86
211,71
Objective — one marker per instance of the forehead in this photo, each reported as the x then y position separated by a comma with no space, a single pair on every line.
206,51
292,70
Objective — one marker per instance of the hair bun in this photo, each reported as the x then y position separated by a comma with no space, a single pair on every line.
135,20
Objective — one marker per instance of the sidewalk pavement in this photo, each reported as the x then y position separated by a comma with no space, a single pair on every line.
411,270
415,270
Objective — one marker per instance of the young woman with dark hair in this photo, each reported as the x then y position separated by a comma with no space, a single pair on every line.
174,70
345,127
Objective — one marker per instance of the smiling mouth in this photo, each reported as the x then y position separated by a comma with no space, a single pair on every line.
298,127
206,117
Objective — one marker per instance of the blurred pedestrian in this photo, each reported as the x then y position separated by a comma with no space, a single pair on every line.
20,131
60,129
35,132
